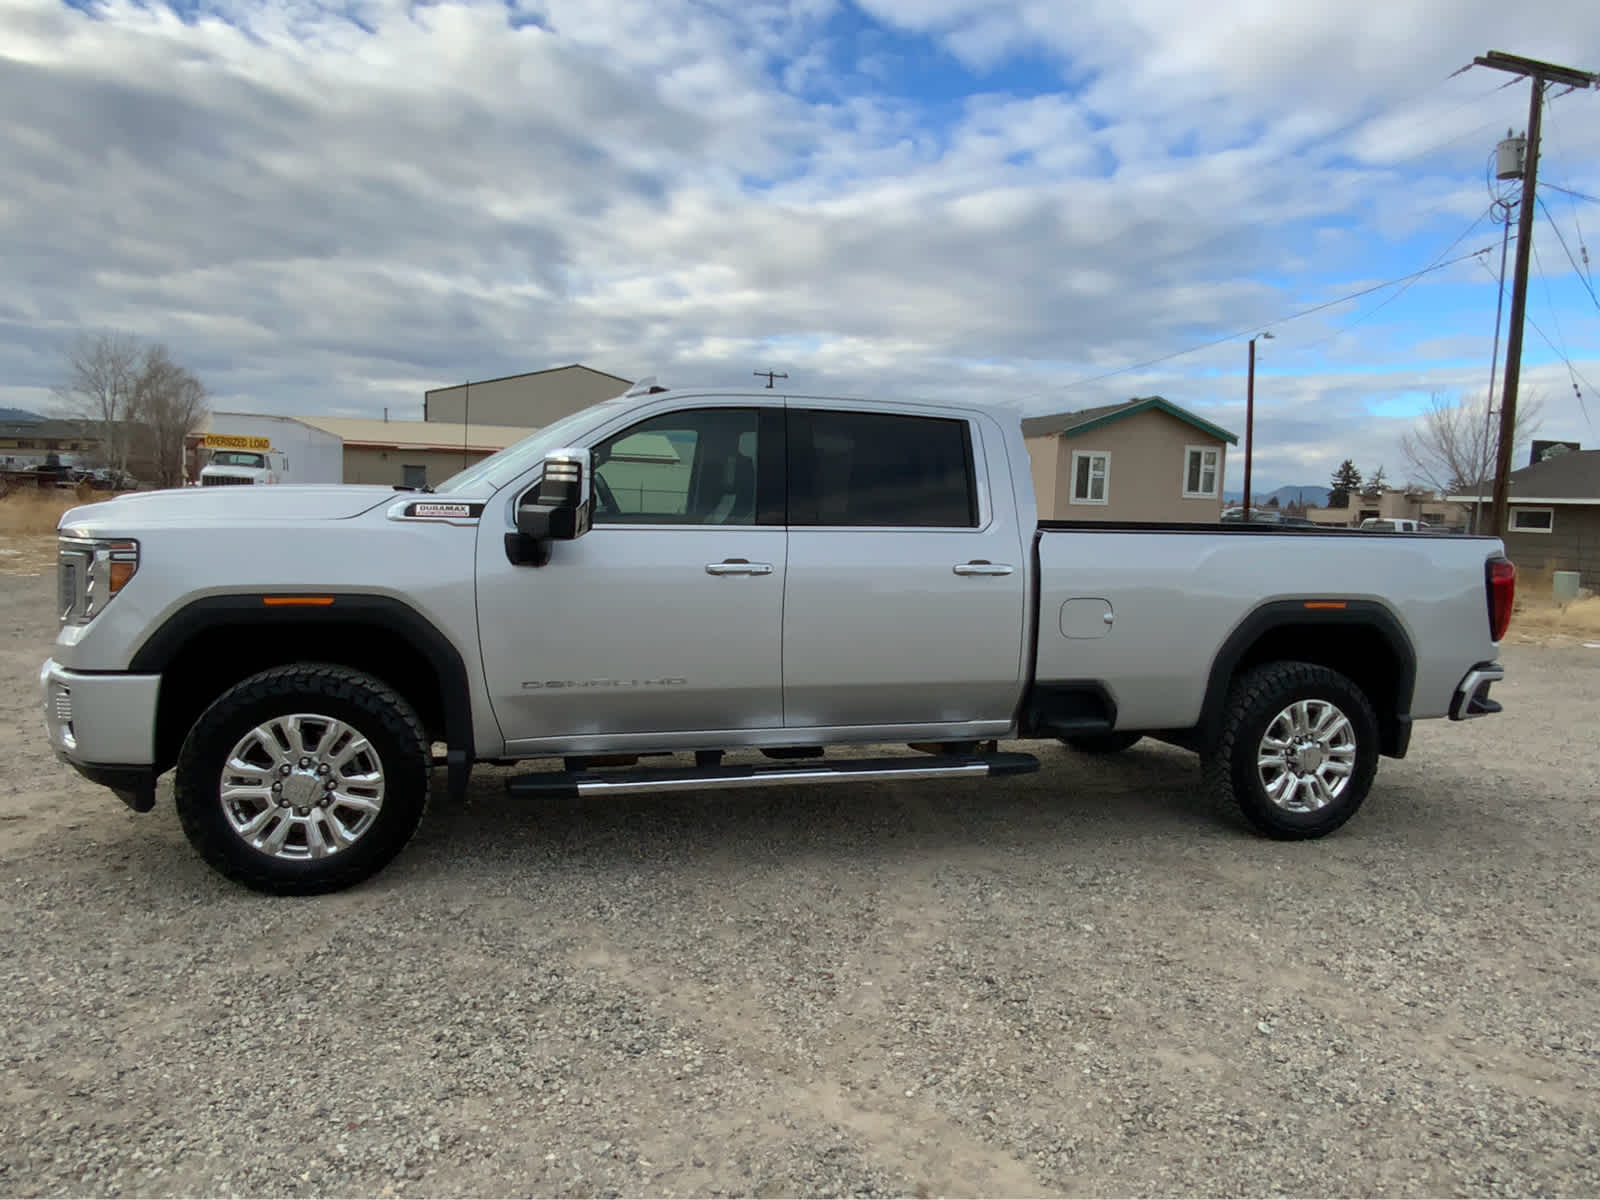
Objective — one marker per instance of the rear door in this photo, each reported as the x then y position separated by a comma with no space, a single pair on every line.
905,597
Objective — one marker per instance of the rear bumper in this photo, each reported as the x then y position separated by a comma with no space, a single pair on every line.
105,727
1472,693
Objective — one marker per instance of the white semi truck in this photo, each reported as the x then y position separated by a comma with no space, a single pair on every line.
246,448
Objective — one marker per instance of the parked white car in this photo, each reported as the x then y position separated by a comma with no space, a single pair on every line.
1395,525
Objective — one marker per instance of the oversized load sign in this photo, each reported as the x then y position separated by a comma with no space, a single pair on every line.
233,441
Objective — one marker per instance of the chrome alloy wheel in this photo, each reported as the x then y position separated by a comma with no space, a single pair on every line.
302,786
1306,756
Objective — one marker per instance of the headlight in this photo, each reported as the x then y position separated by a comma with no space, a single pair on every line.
89,572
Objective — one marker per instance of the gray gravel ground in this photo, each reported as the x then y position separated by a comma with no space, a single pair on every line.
1081,982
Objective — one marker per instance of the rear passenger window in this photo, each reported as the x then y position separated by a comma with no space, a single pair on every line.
857,468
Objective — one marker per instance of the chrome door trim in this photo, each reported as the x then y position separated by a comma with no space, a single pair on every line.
983,567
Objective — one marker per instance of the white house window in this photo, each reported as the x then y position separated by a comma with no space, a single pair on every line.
1091,476
1532,520
1200,472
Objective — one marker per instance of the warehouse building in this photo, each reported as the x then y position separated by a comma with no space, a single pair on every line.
530,400
413,453
389,453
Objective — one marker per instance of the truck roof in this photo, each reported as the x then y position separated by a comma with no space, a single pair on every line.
648,387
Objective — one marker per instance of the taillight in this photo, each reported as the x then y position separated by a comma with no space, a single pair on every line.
1502,586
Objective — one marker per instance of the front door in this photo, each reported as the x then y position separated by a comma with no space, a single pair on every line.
905,600
666,617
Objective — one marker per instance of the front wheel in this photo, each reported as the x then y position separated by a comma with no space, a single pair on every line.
1298,750
303,779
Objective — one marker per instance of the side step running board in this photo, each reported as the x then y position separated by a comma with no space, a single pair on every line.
680,779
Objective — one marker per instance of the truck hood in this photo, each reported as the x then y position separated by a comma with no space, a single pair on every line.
227,505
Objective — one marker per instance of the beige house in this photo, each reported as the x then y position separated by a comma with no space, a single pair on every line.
1143,460
531,400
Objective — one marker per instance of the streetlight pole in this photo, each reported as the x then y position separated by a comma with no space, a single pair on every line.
1250,423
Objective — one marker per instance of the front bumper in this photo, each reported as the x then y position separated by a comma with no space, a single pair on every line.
1472,693
105,726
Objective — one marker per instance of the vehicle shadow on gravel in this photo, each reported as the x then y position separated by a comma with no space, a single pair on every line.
1143,794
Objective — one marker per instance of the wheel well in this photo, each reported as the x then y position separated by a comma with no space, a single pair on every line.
1362,653
216,658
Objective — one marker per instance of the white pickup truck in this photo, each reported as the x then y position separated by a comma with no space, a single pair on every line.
686,575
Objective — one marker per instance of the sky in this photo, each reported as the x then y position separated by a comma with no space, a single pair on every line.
329,208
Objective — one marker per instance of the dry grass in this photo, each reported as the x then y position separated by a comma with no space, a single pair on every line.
1537,617
28,518
36,511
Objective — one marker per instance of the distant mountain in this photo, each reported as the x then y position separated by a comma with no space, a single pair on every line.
1311,496
19,416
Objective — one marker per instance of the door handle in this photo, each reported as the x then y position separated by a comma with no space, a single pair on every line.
738,566
982,566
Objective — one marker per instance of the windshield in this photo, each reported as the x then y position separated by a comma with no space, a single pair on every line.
237,458
505,465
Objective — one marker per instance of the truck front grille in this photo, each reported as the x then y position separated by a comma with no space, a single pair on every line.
67,585
224,480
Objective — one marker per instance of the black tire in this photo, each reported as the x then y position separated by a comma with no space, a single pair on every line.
1255,700
1102,743
370,709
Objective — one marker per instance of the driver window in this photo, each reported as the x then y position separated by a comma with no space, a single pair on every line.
684,468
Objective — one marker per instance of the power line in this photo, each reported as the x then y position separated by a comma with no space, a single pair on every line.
1549,299
1572,370
1295,316
1589,287
1476,221
1585,249
1556,187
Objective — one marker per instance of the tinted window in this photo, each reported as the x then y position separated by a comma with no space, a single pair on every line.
688,468
848,468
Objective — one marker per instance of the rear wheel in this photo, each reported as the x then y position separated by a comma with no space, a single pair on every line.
1298,751
303,779
1101,743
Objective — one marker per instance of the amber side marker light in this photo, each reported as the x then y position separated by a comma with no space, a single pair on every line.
1326,604
297,601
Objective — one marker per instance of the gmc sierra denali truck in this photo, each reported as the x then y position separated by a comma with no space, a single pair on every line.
667,577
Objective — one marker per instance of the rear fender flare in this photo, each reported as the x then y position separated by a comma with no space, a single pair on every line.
1394,720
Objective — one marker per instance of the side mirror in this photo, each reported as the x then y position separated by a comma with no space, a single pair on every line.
559,511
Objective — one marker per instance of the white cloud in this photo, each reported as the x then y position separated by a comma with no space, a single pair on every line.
319,216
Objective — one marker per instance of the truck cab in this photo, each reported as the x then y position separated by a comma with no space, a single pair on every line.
230,467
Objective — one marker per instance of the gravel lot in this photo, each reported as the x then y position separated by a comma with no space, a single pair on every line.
1081,982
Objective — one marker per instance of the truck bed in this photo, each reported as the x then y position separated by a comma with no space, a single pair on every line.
1148,613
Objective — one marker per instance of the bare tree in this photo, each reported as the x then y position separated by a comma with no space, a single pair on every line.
135,401
1453,447
99,391
168,403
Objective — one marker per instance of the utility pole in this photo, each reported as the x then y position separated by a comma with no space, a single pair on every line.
1250,424
1494,365
1539,73
771,375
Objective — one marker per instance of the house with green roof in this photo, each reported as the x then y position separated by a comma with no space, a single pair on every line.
1146,459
